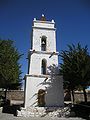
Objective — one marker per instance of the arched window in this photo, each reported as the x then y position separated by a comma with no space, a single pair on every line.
44,64
43,43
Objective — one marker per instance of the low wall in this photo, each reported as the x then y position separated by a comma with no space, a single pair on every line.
80,97
14,95
18,95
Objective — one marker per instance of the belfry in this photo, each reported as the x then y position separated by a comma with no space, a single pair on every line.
43,84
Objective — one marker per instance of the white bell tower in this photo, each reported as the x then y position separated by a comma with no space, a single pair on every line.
43,84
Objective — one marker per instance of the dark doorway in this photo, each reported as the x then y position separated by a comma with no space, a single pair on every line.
41,98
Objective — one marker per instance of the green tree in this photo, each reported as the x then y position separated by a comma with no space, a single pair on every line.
10,72
76,68
83,63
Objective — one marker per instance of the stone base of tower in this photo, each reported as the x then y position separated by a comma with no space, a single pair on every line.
53,87
44,112
31,112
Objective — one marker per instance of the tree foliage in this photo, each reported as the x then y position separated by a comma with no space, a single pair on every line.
76,68
9,65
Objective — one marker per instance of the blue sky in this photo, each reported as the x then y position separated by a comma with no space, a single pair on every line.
72,19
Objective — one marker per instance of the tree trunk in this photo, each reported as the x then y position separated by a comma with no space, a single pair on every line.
85,94
5,94
73,99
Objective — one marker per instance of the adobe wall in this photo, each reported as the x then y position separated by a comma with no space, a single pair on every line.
19,95
14,95
80,97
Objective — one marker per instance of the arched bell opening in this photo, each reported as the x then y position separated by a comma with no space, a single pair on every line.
43,43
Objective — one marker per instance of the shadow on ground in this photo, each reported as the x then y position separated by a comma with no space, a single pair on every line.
11,109
81,110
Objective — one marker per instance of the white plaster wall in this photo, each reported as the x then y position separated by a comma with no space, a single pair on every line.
53,87
50,41
36,61
55,96
43,24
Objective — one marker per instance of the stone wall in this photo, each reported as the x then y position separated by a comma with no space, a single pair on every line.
14,95
18,95
80,97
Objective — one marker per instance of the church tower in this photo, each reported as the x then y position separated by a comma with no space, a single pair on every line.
43,84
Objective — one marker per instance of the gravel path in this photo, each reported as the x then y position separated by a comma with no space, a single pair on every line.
4,116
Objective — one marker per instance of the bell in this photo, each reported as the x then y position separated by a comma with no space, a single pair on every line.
43,42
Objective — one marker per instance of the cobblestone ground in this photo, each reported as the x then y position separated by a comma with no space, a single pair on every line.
5,116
